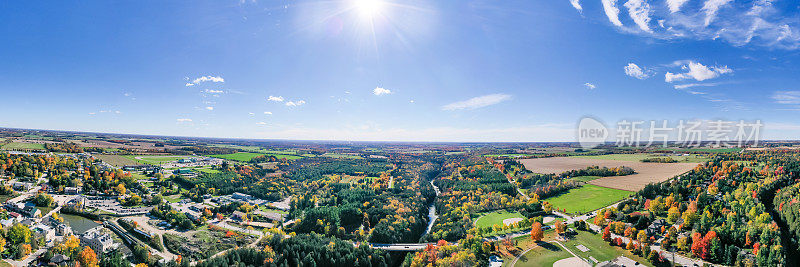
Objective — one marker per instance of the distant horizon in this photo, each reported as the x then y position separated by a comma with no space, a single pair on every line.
417,71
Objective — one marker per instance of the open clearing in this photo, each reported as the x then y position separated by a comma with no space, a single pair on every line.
645,172
116,160
587,198
22,146
497,217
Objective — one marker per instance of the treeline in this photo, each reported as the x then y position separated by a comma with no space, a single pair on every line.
303,250
660,160
254,182
598,171
315,169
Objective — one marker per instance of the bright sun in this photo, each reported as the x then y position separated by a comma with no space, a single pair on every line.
368,8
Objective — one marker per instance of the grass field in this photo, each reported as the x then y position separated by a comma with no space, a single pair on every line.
116,160
541,256
548,253
497,217
153,160
639,157
587,198
17,145
585,178
599,249
247,156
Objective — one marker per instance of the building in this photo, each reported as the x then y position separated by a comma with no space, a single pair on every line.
46,231
100,242
239,216
655,227
21,186
72,190
241,196
24,210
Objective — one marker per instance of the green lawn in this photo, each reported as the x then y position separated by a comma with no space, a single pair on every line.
247,156
206,170
542,256
585,178
641,156
587,198
599,249
153,160
497,217
17,145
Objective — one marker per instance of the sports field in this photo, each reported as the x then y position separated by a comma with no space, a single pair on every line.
497,217
587,198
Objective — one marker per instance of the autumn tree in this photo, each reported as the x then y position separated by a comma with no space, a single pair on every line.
607,234
87,257
560,227
536,232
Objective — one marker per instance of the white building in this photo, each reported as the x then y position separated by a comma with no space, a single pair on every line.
100,242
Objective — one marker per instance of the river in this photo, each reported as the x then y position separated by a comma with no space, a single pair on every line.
432,216
79,224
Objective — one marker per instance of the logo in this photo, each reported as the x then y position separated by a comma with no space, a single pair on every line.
591,133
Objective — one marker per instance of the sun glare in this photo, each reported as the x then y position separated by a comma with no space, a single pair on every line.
368,8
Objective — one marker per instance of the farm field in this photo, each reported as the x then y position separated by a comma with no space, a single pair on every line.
641,156
19,145
587,198
496,218
247,156
116,160
645,172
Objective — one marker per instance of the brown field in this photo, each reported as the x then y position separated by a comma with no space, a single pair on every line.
645,172
116,160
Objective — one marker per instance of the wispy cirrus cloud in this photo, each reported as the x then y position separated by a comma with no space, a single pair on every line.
590,86
758,22
295,103
577,5
477,102
275,98
786,97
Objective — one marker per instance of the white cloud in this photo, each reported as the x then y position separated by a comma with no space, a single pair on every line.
251,114
202,79
590,86
711,7
690,85
639,11
758,22
381,91
261,123
295,103
189,84
577,5
698,72
209,108
184,120
267,113
211,91
275,98
675,5
787,97
477,102
635,71
612,12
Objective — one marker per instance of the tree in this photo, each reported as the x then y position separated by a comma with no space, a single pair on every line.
560,227
642,237
120,189
71,244
697,245
607,234
673,215
24,251
2,244
19,233
88,258
536,232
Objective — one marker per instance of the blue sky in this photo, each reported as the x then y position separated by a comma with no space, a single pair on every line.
396,70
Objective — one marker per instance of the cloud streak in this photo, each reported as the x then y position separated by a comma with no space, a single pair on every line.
381,91
477,102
